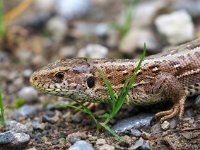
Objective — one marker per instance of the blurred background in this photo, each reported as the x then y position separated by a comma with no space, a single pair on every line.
34,33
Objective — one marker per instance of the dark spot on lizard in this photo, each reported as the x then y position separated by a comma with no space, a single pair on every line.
121,68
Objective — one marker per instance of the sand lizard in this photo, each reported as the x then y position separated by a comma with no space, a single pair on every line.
173,74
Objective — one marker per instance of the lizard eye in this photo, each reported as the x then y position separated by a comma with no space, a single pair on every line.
59,75
91,81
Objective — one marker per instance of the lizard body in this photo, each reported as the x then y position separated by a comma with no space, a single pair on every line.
174,75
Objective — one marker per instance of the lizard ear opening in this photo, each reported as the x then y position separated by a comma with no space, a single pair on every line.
91,81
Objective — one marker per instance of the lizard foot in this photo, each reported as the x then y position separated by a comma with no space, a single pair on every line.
178,108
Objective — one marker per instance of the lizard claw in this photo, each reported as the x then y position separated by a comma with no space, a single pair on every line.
178,108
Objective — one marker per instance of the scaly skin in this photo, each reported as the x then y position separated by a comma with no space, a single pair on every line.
172,75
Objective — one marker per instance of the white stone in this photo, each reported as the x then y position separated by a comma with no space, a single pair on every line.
136,38
67,51
165,125
146,11
177,27
29,94
71,9
57,26
93,51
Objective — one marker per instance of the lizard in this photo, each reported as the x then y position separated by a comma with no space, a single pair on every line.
171,75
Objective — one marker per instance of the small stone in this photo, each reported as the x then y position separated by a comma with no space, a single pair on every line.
27,73
156,128
29,94
51,118
24,55
146,11
101,141
81,145
25,111
192,7
135,38
3,56
37,125
106,147
137,144
169,26
102,30
15,126
67,52
93,51
188,113
13,140
165,125
136,122
71,9
135,132
57,26
74,137
145,146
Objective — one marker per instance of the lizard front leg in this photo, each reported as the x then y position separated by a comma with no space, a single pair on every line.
172,89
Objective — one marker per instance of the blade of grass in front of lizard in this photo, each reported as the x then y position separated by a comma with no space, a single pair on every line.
119,101
2,110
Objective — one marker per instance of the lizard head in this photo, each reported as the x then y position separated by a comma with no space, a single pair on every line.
71,78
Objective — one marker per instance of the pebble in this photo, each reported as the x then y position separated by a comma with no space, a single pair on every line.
146,11
36,125
102,30
74,137
165,125
71,9
57,27
156,128
140,144
135,38
90,29
11,140
173,122
51,117
27,73
24,55
100,141
137,144
106,147
136,132
81,145
25,111
93,51
188,113
192,7
3,56
177,27
136,122
15,126
29,94
67,52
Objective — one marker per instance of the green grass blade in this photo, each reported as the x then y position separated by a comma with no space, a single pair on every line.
111,131
2,110
109,87
2,23
83,109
